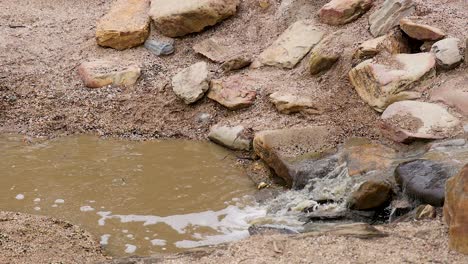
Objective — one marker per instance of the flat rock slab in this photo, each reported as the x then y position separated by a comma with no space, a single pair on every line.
392,42
447,53
420,31
423,180
100,73
389,15
179,18
339,12
213,50
233,93
233,137
393,79
408,120
454,93
288,103
191,83
291,46
324,55
126,25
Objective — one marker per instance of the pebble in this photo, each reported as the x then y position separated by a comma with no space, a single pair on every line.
19,197
160,47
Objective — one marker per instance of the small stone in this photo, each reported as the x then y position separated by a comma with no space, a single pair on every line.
191,83
370,195
405,121
393,43
447,53
421,31
287,103
126,25
236,63
160,47
389,15
264,3
291,46
339,12
100,73
236,138
425,212
232,93
262,185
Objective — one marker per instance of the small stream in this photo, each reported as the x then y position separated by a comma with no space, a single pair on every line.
137,197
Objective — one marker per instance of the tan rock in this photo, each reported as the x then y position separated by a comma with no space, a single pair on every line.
212,49
324,55
425,212
232,93
420,31
233,137
370,195
100,73
288,103
126,25
338,12
407,120
389,15
394,79
236,63
179,18
454,92
456,210
393,43
291,46
191,83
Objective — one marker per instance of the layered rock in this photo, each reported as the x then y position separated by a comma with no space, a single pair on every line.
100,73
389,16
233,137
454,93
421,31
370,195
232,93
126,25
393,43
291,46
179,18
408,120
287,103
338,12
191,83
447,53
380,84
456,210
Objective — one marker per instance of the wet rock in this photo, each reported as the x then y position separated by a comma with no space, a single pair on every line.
287,103
394,79
447,53
420,31
423,180
179,18
233,137
324,55
454,93
232,93
160,47
212,49
456,210
358,230
304,169
393,43
270,230
425,212
408,120
100,73
291,46
191,83
389,15
278,148
236,63
338,12
126,25
370,195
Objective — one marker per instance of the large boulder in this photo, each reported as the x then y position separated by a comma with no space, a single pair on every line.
288,103
408,120
100,73
456,210
420,31
291,46
233,137
423,180
179,18
454,93
338,12
389,15
370,195
394,79
232,93
392,42
126,25
191,83
447,53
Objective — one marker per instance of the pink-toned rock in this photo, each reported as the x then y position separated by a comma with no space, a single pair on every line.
232,93
392,79
421,31
101,73
338,12
454,93
408,120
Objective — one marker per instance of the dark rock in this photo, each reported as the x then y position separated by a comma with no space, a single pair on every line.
370,195
303,171
423,180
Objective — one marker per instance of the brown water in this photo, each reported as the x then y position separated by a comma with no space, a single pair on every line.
138,197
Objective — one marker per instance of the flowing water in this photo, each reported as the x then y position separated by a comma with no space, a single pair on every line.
137,197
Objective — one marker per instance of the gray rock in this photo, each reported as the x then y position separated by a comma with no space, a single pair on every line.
236,138
191,83
269,230
447,53
160,47
303,171
389,15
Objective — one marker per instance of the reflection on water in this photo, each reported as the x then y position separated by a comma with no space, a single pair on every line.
137,197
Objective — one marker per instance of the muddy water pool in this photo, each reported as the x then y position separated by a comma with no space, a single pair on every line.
135,197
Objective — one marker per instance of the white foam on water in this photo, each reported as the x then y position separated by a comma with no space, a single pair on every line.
59,201
105,239
129,248
37,200
19,196
158,242
86,208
